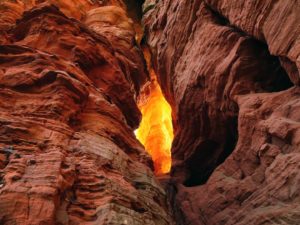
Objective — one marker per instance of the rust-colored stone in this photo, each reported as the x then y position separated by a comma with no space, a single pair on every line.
68,154
230,96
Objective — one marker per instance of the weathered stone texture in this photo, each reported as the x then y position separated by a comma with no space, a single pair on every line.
68,154
230,70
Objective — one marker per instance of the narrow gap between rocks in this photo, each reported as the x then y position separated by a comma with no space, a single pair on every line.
155,131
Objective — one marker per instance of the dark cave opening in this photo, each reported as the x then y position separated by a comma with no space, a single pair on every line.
209,154
277,64
135,9
269,76
281,80
135,12
230,140
200,164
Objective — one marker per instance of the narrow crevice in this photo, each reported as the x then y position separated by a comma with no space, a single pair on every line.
135,12
178,214
135,9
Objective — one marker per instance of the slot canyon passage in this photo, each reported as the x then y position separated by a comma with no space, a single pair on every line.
210,87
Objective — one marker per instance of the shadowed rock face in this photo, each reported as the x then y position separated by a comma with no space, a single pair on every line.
230,71
68,154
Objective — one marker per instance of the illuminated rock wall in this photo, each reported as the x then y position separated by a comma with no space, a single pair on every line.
156,130
68,91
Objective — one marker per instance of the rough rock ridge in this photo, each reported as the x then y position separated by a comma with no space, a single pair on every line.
68,88
230,70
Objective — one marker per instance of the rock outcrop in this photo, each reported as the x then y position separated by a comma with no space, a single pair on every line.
71,73
68,90
230,71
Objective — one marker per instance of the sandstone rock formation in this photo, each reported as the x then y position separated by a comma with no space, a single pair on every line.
230,70
72,73
68,90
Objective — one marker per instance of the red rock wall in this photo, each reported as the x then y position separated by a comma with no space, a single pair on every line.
68,154
230,70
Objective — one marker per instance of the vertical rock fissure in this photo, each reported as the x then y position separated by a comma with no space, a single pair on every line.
155,131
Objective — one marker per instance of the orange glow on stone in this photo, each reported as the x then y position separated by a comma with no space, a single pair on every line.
156,130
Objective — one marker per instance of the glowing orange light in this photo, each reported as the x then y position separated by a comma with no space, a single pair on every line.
156,130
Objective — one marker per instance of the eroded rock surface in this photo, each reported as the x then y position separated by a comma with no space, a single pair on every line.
68,154
230,70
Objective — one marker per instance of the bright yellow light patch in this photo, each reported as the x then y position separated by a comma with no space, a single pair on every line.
156,130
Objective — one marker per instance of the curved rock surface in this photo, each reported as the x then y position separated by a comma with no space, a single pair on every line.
70,76
271,21
230,70
68,154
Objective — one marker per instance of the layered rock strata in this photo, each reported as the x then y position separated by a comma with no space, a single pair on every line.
230,70
68,92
